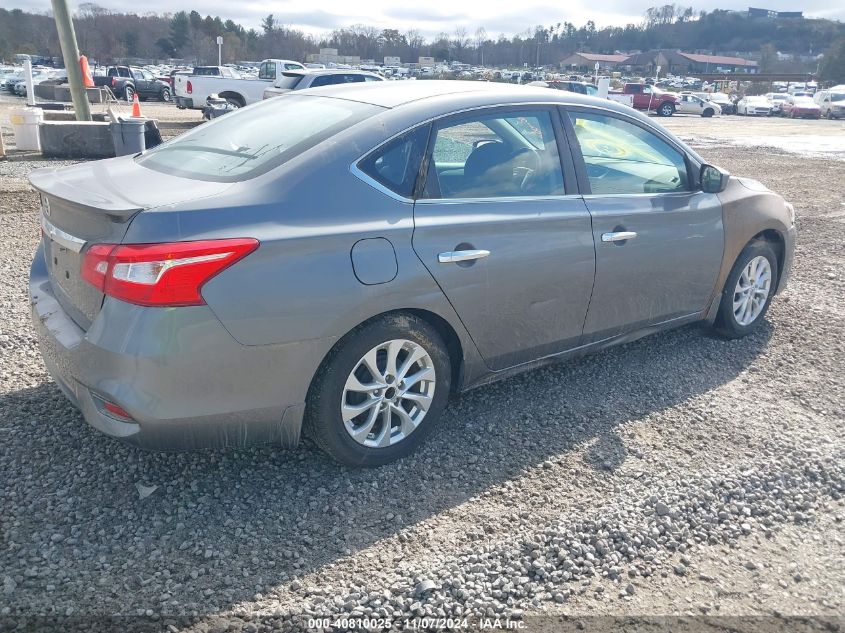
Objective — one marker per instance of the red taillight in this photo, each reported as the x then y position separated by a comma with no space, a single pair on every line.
169,274
189,88
95,264
113,82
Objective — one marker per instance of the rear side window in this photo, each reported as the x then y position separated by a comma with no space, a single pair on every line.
267,70
396,164
250,142
323,80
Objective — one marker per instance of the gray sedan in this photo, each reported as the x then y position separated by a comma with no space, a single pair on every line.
247,281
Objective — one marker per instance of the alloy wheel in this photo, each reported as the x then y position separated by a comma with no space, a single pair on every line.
388,393
752,290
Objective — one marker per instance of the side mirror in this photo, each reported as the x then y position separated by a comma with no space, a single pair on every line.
713,179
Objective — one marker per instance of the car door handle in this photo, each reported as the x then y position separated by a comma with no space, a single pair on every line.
452,257
618,236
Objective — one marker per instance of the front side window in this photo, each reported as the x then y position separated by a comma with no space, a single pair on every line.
494,156
396,164
250,142
623,158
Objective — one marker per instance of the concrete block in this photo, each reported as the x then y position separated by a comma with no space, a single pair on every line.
61,92
76,139
69,115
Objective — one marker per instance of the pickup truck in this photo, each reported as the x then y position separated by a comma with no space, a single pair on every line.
127,81
648,97
193,90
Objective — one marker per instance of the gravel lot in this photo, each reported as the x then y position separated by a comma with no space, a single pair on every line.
680,475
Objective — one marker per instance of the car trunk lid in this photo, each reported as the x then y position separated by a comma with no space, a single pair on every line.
92,203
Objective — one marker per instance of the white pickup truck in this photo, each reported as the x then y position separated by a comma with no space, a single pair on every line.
191,91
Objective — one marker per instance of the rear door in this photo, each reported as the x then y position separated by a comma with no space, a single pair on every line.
503,232
658,237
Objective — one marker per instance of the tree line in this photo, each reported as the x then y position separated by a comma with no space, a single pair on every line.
107,36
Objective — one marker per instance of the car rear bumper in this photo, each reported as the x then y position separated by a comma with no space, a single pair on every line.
178,372
183,102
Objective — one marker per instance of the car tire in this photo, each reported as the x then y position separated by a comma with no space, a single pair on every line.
667,109
379,434
128,93
731,320
165,95
707,113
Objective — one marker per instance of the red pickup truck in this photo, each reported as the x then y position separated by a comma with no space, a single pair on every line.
648,97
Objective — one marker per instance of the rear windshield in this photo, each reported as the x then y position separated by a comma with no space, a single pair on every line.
206,70
251,141
288,80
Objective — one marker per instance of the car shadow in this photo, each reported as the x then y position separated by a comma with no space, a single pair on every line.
219,518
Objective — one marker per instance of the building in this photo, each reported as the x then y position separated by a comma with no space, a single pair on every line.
678,63
586,62
392,60
769,13
426,62
330,56
718,64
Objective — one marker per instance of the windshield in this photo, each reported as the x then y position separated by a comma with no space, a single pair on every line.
249,142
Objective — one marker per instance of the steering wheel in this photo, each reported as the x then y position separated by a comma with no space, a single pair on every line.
527,171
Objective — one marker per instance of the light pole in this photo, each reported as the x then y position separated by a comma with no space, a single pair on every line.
70,53
219,50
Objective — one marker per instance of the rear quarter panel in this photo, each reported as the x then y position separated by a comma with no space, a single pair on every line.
300,284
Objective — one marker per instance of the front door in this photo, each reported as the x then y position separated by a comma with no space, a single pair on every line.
511,251
659,240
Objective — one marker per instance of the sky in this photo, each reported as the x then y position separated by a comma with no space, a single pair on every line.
434,16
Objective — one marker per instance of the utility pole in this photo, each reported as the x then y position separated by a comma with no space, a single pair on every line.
70,53
219,50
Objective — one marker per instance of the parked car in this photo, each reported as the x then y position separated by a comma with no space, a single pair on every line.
581,87
776,100
690,104
723,101
753,106
38,75
127,81
10,76
650,98
801,107
832,103
193,91
215,71
302,79
224,295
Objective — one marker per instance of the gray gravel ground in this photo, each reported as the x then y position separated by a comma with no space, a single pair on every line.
679,475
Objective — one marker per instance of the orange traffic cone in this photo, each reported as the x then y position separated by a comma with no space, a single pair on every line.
136,107
87,77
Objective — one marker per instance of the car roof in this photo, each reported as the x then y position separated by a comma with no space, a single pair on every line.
327,71
455,94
